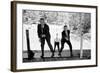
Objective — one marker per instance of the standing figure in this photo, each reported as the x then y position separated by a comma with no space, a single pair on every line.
44,34
66,39
56,42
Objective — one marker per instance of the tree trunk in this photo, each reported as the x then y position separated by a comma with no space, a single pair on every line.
81,46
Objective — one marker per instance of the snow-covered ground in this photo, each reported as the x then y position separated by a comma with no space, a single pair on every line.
34,40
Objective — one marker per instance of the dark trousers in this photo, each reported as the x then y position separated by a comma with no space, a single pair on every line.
43,43
63,41
56,44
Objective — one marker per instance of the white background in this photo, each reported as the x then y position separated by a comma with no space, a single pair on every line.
5,37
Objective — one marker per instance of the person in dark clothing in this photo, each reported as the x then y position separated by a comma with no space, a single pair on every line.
66,39
44,34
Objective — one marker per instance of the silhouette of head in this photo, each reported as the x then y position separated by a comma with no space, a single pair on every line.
65,28
42,21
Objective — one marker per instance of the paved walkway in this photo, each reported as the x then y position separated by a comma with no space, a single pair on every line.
65,55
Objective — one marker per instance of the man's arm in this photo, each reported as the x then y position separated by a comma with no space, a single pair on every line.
38,31
47,28
63,36
47,33
68,34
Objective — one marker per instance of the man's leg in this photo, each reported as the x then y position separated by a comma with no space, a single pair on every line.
42,46
50,46
70,46
62,46
54,46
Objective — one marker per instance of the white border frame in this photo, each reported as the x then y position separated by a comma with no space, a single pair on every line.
39,65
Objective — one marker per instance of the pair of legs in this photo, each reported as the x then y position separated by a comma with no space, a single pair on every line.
56,44
49,44
63,41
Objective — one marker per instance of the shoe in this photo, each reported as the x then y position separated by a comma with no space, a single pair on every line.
71,55
59,54
42,56
52,55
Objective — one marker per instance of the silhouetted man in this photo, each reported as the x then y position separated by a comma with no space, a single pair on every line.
44,34
66,39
